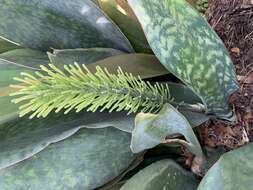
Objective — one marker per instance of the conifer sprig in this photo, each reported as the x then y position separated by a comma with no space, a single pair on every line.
77,88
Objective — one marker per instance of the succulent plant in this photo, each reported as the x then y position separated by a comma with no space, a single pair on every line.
87,87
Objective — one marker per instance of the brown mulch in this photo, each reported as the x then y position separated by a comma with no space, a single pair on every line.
233,21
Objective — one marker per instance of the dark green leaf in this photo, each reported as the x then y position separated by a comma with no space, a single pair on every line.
86,160
42,24
120,12
81,56
162,175
152,129
233,171
188,47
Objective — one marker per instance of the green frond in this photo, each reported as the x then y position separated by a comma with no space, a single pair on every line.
76,88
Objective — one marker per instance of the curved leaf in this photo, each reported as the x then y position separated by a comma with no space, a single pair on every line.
22,138
233,171
162,175
188,47
81,56
86,160
11,64
152,129
42,24
121,13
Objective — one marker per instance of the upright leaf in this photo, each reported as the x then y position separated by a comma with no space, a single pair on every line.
121,13
162,175
188,47
152,129
86,160
233,171
44,24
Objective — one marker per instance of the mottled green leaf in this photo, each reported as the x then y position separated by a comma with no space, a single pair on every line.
11,64
233,171
81,56
42,24
6,45
121,13
152,129
162,175
188,47
86,160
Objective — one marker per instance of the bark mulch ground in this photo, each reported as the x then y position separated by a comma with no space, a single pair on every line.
233,21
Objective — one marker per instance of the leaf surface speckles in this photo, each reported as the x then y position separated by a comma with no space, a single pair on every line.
188,47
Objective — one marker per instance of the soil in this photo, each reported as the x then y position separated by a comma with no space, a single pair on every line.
233,22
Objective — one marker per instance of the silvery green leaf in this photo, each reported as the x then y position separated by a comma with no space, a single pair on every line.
87,159
152,129
233,171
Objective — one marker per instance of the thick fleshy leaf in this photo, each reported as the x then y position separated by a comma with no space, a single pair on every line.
5,45
22,138
81,56
121,13
188,47
44,24
152,129
233,171
86,160
11,64
162,175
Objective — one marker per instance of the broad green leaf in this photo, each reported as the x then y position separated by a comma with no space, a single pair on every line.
21,138
81,56
162,175
6,45
152,129
11,64
86,160
188,47
120,12
44,24
144,65
233,171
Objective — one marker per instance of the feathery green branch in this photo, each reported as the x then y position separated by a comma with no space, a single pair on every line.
77,88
